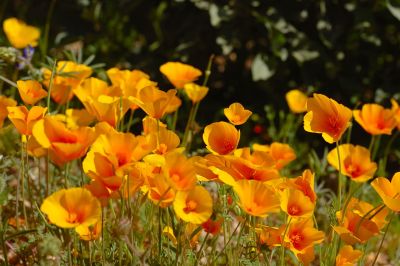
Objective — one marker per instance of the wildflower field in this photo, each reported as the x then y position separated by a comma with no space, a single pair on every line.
118,164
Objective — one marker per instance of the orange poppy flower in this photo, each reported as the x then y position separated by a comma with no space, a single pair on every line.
194,206
179,74
256,198
64,145
326,116
89,233
221,138
296,204
396,111
348,256
30,91
150,125
4,103
23,119
375,119
297,101
212,227
72,208
195,92
389,191
304,183
236,114
160,191
355,162
20,34
75,118
153,101
67,78
360,222
301,237
168,140
179,171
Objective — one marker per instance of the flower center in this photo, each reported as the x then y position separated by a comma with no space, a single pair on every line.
190,206
294,210
72,218
296,238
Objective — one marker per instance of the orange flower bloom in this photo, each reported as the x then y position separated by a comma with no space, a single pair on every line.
326,116
30,91
160,191
304,183
179,171
389,191
256,198
297,101
221,138
296,204
236,114
212,227
89,233
75,118
154,101
396,111
150,125
72,208
281,153
168,140
179,74
194,206
64,145
355,161
360,222
23,119
301,237
67,78
348,256
4,103
195,92
20,34
375,119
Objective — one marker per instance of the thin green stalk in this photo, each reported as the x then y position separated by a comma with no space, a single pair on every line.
47,28
378,209
201,248
23,143
382,167
128,127
9,82
53,70
283,242
383,238
376,147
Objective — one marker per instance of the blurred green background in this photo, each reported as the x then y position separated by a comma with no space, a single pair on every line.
348,50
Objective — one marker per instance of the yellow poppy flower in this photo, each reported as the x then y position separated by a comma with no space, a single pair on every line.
375,119
348,256
160,191
389,191
179,171
194,206
256,197
297,101
30,91
75,118
326,116
221,138
236,114
179,74
69,75
4,103
72,208
89,233
195,92
355,162
296,204
64,145
23,119
150,125
20,34
153,101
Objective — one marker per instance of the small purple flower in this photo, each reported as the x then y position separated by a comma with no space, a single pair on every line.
26,58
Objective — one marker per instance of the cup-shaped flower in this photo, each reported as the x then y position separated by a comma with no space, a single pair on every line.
168,140
20,34
30,91
282,154
326,116
256,197
360,222
296,204
236,114
153,101
301,237
304,183
194,206
24,119
375,119
179,171
297,101
221,138
355,162
67,78
195,92
64,145
72,208
348,256
179,74
389,191
160,191
4,103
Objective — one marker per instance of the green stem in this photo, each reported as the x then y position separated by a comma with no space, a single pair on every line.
53,70
9,82
383,238
23,181
386,153
201,249
47,28
283,242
